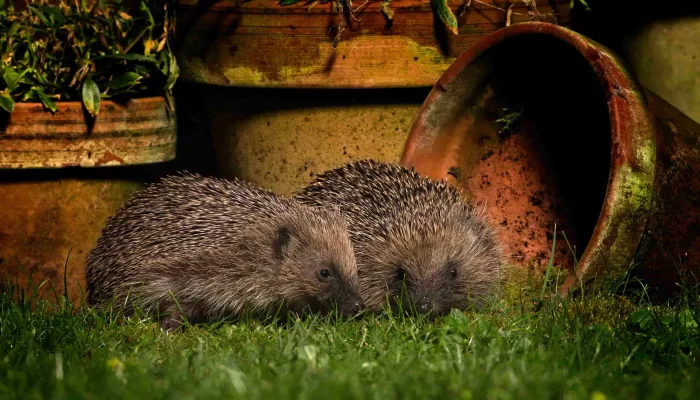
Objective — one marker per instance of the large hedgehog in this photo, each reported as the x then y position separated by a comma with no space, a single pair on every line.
411,235
210,248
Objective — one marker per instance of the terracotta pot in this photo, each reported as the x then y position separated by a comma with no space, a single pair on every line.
52,218
262,44
141,131
274,121
671,47
280,139
49,211
615,167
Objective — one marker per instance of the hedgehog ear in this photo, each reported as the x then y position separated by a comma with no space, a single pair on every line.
282,240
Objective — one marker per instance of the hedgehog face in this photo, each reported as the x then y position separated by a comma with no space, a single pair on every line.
318,265
432,270
432,282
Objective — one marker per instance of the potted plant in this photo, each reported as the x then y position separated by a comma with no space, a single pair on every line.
294,73
80,61
82,84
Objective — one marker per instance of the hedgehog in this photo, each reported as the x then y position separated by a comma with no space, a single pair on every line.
207,248
418,243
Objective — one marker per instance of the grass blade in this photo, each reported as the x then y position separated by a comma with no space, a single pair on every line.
550,263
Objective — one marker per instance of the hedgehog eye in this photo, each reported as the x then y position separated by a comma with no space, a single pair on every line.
400,274
324,273
452,267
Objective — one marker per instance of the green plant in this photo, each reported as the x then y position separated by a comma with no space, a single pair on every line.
510,120
583,3
343,7
87,52
441,7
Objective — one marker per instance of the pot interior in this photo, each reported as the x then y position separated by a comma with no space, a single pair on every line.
524,130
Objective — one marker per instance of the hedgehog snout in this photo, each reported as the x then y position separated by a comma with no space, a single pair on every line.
423,307
358,307
424,304
352,306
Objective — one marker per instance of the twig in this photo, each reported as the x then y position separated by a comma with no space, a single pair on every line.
465,7
532,7
496,7
348,4
489,5
361,6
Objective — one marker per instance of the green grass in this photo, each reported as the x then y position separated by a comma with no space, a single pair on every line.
596,347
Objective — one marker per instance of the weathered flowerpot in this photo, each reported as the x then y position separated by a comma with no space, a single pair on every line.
280,139
289,106
670,46
50,210
657,39
142,131
615,167
262,44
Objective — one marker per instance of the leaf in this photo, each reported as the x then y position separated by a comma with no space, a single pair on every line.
55,14
91,97
122,81
48,103
29,96
41,78
456,319
141,70
39,14
688,319
583,3
161,45
11,78
445,14
387,10
641,319
289,2
173,72
148,46
13,29
6,102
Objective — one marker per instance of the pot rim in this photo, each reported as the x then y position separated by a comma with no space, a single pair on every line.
69,103
134,132
624,214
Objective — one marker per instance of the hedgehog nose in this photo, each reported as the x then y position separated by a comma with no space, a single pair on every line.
358,306
424,305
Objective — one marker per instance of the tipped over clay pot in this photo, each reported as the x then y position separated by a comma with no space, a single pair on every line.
545,126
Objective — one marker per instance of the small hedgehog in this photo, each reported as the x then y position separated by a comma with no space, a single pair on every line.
411,235
210,248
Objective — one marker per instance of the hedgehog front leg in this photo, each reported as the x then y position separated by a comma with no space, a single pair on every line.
170,318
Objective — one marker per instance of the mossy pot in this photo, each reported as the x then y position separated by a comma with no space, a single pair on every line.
282,104
58,184
582,146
